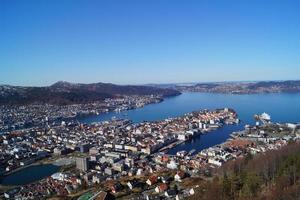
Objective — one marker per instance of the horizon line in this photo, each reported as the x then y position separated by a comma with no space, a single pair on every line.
154,84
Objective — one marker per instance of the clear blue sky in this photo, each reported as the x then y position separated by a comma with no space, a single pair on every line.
148,41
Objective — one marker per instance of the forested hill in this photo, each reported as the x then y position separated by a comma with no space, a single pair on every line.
67,93
274,175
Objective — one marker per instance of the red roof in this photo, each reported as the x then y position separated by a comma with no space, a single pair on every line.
153,179
181,174
163,187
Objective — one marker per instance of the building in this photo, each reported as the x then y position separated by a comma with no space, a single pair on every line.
61,151
179,176
10,194
161,187
94,151
82,163
152,180
84,148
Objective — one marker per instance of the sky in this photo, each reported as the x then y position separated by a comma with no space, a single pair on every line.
148,41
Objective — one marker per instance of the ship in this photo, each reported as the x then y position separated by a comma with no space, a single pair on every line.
265,118
181,153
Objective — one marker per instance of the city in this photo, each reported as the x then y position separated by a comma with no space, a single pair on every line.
18,117
131,160
149,100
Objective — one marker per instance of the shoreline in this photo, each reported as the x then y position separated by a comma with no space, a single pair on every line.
20,169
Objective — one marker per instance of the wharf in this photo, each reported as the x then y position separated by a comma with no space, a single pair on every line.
172,145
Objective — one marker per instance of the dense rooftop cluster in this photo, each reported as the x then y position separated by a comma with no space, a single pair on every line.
112,149
131,160
26,116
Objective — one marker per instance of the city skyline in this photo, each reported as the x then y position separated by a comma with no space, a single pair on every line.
148,42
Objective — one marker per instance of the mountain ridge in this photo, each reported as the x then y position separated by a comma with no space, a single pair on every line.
289,86
63,92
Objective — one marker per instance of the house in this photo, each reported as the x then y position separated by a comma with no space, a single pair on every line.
88,177
179,176
216,161
61,151
164,158
152,180
132,172
166,179
94,151
10,194
172,165
139,171
132,184
109,171
192,191
170,193
118,166
98,178
116,188
69,188
161,188
152,197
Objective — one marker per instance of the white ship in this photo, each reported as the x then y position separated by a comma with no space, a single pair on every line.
264,118
181,153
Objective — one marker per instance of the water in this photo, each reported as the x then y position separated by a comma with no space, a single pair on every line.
29,174
205,141
281,106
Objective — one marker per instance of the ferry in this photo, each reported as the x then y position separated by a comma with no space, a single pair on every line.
181,153
264,118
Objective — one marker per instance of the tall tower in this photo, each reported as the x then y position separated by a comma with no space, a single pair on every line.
82,163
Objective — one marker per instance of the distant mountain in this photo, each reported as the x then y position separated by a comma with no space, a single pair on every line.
67,93
169,85
244,87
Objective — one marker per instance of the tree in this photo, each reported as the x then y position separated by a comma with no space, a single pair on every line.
227,187
252,185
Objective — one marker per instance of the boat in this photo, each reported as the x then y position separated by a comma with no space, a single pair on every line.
181,153
264,118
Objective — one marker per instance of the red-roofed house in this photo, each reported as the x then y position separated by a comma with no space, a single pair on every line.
152,180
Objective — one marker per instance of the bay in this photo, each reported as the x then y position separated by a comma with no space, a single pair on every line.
283,107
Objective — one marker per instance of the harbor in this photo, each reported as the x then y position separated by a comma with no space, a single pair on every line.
178,136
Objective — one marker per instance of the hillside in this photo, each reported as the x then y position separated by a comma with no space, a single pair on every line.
244,88
67,93
274,175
